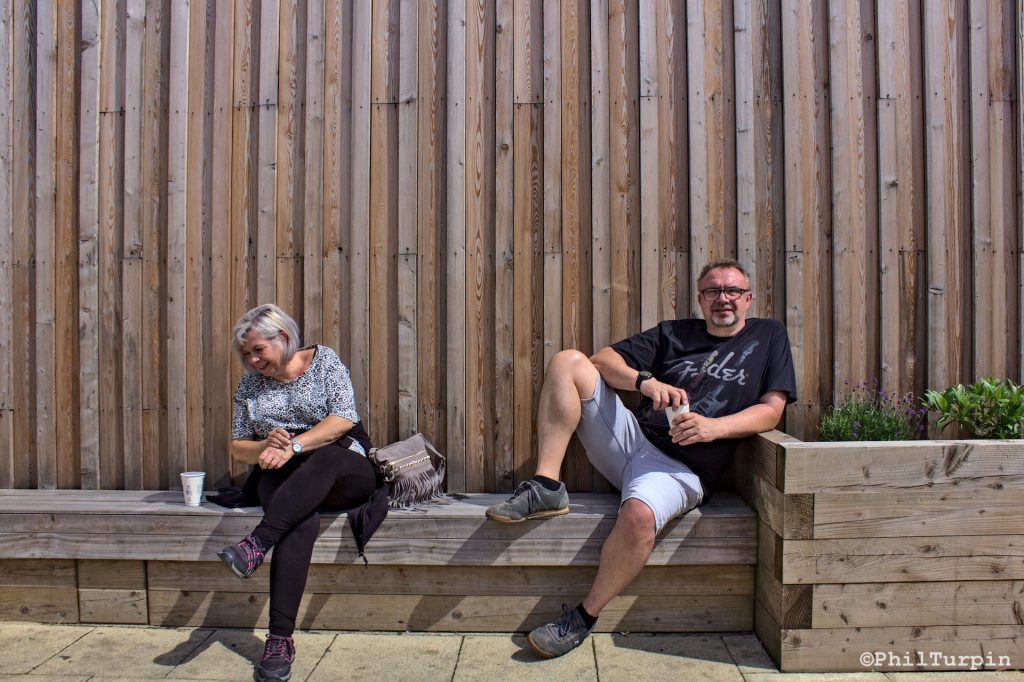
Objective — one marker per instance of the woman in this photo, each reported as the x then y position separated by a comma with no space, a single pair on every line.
295,416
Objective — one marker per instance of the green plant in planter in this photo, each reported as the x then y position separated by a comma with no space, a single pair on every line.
991,408
868,413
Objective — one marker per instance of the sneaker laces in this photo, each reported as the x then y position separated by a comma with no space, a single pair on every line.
565,624
279,647
526,488
253,551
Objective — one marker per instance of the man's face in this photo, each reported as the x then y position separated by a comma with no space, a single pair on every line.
724,317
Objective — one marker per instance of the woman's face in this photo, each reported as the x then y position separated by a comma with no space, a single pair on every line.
264,355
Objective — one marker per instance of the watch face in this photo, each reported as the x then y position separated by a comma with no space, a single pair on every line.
297,447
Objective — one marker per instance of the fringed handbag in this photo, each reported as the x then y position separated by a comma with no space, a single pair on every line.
410,472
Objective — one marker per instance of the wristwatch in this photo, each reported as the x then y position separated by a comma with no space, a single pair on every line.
296,447
642,377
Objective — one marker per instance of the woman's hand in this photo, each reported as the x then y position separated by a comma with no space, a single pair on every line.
279,438
274,458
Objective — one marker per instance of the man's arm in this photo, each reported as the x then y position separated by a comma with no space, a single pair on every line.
617,374
691,427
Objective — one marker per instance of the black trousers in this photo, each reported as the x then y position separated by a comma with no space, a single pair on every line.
331,477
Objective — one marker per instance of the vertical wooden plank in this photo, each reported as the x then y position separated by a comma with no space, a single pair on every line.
854,185
313,172
529,203
267,157
288,177
711,122
337,186
132,261
218,388
197,228
244,172
66,251
7,464
357,317
23,170
948,177
759,169
582,184
175,293
383,225
430,211
88,250
512,29
111,242
808,217
155,131
624,161
993,204
455,284
44,232
650,164
600,98
901,198
1020,183
408,148
552,173
480,162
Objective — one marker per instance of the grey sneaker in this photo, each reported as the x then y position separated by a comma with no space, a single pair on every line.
531,500
560,637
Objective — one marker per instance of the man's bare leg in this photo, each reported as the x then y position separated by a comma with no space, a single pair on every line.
623,555
570,378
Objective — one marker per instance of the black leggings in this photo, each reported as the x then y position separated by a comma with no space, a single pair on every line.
331,477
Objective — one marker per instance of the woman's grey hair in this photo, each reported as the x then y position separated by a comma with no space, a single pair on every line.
270,322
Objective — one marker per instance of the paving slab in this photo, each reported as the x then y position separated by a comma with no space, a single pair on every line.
28,645
129,652
44,678
392,657
671,657
230,654
509,657
817,677
963,676
749,654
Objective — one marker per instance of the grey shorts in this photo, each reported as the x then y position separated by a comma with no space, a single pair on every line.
621,452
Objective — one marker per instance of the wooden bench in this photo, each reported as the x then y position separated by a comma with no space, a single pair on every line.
143,557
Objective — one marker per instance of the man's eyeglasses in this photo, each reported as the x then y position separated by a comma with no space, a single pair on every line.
731,293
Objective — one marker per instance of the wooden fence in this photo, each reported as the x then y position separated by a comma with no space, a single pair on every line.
450,191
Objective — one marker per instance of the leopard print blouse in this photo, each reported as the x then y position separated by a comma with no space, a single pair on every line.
325,388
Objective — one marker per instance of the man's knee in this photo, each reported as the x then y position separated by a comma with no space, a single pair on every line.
575,366
638,521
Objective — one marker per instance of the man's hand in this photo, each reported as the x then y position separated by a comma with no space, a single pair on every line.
663,395
690,428
274,458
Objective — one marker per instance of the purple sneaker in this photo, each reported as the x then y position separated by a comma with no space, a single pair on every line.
276,663
245,557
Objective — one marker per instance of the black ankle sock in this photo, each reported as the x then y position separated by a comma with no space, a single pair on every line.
587,618
548,483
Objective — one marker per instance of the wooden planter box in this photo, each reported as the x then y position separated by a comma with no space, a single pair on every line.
896,556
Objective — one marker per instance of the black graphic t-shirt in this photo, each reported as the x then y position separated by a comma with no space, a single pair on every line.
721,376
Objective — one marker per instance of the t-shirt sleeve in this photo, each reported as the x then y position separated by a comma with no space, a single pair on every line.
341,397
780,374
241,427
641,351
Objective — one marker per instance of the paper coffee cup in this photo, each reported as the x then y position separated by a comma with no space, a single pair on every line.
192,487
674,412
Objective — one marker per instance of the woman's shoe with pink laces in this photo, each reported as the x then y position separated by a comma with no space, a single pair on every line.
245,557
276,664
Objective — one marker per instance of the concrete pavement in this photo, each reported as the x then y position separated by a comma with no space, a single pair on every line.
79,653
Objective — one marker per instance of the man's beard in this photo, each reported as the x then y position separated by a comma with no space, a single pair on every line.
724,318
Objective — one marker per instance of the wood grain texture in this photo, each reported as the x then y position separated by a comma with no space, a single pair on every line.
7,300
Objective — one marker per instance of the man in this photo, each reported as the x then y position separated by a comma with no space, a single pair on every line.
735,376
